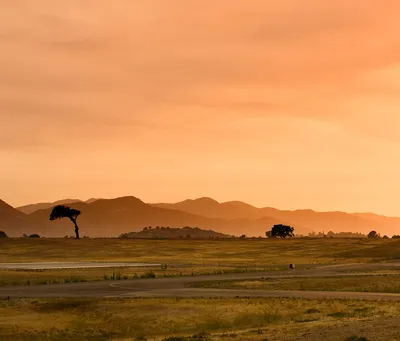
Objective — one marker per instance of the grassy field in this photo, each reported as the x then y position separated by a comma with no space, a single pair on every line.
376,283
193,257
56,276
197,319
209,252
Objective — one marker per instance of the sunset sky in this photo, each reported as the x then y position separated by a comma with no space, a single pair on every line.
291,104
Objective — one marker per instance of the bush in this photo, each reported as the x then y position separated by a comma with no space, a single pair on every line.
34,236
312,311
3,234
356,338
201,336
149,274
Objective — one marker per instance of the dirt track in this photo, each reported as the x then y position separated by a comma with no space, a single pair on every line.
70,265
181,286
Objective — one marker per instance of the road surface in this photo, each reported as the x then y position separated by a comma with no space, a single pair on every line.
182,286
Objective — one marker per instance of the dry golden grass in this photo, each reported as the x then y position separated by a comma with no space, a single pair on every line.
201,252
56,276
364,283
191,257
224,319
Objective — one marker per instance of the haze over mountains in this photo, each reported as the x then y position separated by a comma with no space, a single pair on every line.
111,217
28,209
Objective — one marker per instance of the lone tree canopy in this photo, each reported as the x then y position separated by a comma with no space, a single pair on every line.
3,234
373,234
282,231
62,211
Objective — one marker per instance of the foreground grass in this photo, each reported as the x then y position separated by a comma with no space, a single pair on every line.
157,319
201,252
365,283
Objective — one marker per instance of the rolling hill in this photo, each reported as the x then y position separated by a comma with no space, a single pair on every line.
28,209
112,217
305,221
11,219
174,233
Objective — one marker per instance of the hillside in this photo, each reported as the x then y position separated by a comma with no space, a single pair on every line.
174,233
112,217
213,209
28,209
305,221
11,219
8,214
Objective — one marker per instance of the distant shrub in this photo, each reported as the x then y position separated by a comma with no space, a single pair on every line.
373,234
201,336
149,274
312,311
34,236
338,314
356,338
3,234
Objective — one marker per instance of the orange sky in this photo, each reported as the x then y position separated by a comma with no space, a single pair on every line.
291,104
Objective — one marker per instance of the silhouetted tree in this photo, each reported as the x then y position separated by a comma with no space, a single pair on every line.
396,236
373,234
34,236
62,211
282,231
3,234
385,237
268,234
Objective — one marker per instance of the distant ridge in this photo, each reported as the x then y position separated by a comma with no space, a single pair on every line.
306,220
28,209
112,217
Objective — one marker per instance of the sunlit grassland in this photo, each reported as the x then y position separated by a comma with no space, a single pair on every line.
183,257
257,252
363,283
56,276
157,319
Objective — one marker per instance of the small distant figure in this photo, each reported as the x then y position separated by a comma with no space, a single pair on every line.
291,266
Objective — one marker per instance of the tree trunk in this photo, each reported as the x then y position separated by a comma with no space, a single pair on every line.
76,229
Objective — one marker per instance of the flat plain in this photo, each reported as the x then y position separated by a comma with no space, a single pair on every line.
331,265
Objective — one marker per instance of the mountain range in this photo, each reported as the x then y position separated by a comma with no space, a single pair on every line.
112,217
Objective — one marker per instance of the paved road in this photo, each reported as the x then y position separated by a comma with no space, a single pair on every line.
70,265
180,286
